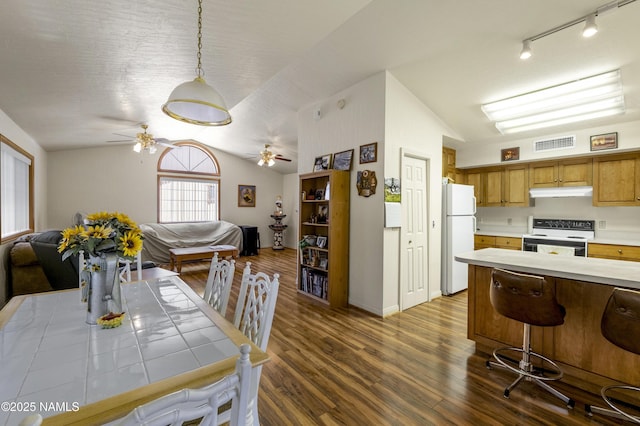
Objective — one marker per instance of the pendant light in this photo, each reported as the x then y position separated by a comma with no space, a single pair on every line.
195,101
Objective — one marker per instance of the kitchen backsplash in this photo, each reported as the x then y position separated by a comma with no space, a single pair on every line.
618,224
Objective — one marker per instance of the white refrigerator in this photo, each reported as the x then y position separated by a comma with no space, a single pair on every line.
458,228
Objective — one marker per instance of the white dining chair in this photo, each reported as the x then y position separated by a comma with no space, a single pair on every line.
219,281
253,317
194,404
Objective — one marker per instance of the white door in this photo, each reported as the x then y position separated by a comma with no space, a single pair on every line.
414,275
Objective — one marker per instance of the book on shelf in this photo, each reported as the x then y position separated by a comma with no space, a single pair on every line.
314,282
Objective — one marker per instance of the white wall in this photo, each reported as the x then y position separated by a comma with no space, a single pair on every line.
414,128
378,109
114,178
360,122
472,155
16,135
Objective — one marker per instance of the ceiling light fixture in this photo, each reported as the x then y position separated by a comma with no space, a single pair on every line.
590,27
589,30
195,101
584,99
526,49
145,142
267,158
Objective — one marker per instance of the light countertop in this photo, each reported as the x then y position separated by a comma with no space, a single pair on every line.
614,238
602,271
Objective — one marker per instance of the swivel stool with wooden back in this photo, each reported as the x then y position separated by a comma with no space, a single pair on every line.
528,299
620,325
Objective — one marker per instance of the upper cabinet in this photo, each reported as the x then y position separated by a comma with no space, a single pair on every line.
575,172
500,186
477,179
616,180
449,166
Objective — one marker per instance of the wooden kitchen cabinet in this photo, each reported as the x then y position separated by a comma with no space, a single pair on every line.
490,241
507,186
614,251
477,178
483,241
449,163
516,186
616,180
493,187
575,172
510,243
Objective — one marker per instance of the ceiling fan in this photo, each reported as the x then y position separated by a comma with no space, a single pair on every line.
267,157
145,142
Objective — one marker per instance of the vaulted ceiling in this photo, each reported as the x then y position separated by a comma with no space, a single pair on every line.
78,74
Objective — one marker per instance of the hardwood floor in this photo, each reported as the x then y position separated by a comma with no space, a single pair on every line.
345,366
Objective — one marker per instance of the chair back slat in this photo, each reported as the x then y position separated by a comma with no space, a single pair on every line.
219,281
256,306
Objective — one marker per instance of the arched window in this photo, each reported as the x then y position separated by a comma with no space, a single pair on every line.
188,184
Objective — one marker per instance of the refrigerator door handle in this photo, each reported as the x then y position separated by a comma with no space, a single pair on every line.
474,205
475,226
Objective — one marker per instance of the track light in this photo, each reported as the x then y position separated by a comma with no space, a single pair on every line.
526,50
590,27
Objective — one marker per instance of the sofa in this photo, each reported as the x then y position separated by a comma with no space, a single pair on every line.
160,237
25,274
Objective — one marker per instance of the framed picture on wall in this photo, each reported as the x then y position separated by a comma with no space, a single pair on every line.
322,163
510,154
369,153
605,141
342,160
246,195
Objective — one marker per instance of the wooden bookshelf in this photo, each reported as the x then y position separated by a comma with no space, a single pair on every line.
323,267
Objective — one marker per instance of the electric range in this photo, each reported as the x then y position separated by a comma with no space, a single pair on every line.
559,236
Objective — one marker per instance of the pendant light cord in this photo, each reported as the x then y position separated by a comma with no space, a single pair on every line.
199,68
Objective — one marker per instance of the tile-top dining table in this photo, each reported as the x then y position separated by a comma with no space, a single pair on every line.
53,363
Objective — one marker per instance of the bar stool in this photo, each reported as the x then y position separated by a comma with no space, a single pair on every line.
530,300
620,325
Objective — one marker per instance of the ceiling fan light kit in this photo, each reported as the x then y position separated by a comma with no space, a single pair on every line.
589,30
266,157
196,102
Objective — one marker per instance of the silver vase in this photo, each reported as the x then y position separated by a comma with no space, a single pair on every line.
104,286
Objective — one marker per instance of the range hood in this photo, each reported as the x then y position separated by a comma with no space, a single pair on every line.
563,191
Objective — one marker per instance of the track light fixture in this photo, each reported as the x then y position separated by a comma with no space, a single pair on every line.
590,27
526,50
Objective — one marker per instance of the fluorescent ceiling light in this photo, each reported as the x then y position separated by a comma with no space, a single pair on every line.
584,99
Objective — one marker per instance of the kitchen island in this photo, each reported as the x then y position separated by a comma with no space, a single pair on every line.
582,286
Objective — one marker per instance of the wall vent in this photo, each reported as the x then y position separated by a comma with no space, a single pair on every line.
563,142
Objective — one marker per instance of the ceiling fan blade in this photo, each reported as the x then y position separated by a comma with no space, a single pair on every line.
168,145
122,141
125,136
279,157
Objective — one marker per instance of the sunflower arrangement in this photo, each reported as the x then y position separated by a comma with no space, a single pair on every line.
103,232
